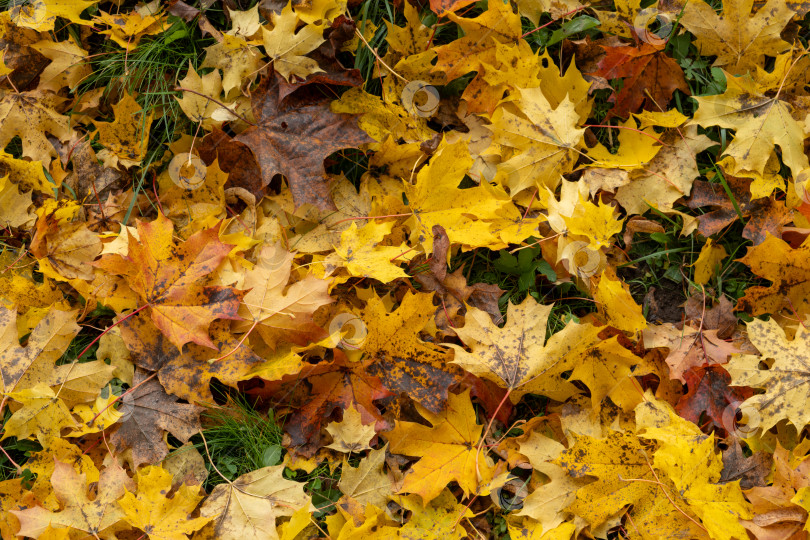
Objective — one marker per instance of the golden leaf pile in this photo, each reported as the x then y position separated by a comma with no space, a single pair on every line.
524,269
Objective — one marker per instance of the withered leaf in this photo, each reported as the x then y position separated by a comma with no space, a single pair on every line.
318,391
147,413
765,215
294,135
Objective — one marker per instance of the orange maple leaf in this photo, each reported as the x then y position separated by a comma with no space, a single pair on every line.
172,279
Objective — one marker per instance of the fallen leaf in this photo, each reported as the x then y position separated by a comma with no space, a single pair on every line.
293,136
447,450
147,413
248,507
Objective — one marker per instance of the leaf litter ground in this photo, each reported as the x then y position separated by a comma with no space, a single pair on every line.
443,269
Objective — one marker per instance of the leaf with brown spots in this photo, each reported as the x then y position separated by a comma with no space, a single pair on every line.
34,363
171,280
787,268
294,135
650,77
404,363
126,138
625,479
517,356
96,517
147,413
188,375
30,115
786,379
765,215
64,248
710,393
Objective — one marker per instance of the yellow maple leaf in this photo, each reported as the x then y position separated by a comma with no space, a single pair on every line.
40,15
788,270
688,458
196,105
125,139
738,38
435,199
163,517
708,260
760,123
239,61
30,115
498,24
92,517
247,508
287,48
615,302
546,140
596,222
362,256
785,382
447,450
127,29
350,434
518,356
42,414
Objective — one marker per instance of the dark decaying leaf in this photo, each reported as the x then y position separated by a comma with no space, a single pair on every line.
147,412
765,215
318,391
710,393
294,135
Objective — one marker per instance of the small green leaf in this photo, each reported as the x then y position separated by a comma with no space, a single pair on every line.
271,456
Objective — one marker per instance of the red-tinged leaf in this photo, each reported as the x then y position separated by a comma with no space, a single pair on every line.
710,393
650,78
318,391
441,7
172,280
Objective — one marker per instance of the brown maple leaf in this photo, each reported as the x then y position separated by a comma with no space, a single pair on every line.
234,158
766,215
452,291
751,471
148,412
188,375
294,135
650,78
